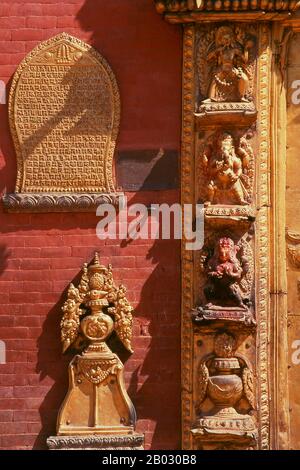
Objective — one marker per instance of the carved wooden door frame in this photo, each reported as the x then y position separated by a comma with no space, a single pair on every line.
269,336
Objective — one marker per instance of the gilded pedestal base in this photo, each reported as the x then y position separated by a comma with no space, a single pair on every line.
97,401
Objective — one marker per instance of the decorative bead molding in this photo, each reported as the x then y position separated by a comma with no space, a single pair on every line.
27,202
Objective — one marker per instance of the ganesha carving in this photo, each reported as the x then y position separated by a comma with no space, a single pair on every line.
228,170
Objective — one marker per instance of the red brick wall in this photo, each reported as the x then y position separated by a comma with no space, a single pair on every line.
40,254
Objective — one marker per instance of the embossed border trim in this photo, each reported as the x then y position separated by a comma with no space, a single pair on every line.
29,202
86,48
262,237
187,268
134,442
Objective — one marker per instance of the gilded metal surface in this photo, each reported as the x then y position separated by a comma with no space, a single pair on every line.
97,402
134,442
225,5
64,112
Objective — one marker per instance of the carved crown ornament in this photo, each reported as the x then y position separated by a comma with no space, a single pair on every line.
96,402
187,11
64,116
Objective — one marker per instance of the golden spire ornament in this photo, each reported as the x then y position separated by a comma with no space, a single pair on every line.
97,411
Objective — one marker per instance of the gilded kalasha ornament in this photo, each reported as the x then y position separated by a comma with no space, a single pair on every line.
207,6
228,170
97,402
224,378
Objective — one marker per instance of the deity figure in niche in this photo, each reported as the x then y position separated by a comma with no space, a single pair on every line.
229,58
227,171
225,271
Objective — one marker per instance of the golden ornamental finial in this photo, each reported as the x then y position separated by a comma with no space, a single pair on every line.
96,291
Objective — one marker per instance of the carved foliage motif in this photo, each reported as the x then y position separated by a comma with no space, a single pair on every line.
64,113
95,372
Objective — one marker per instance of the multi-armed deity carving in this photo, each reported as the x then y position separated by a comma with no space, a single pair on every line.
227,268
224,380
225,271
225,64
227,169
97,402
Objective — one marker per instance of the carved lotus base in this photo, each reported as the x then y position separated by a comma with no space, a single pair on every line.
231,314
240,113
58,202
226,422
109,442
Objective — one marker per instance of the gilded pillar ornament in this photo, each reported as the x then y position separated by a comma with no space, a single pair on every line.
232,364
96,404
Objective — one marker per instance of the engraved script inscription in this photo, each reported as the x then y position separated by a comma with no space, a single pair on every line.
64,110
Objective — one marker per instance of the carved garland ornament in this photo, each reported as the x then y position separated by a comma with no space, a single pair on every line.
64,114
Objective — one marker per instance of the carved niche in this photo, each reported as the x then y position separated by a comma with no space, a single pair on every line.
226,70
225,396
225,279
97,403
64,114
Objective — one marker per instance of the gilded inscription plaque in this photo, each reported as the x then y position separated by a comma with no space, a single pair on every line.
64,112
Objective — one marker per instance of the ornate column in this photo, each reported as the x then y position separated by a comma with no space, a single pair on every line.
234,314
